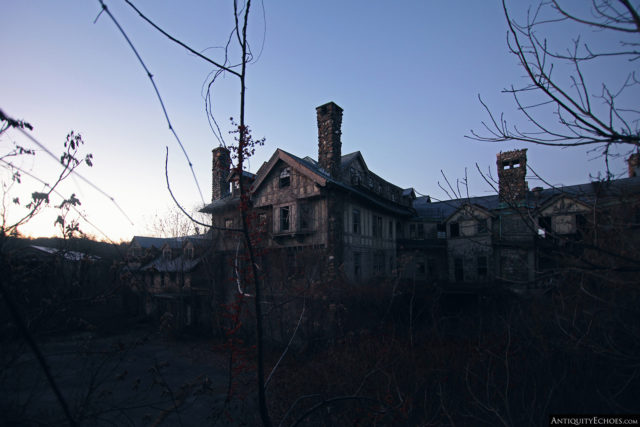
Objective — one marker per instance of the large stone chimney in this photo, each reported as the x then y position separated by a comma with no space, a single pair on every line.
634,165
512,170
220,172
329,144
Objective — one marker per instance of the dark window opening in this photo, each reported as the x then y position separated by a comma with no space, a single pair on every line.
285,178
432,268
356,179
228,223
421,267
377,226
581,226
391,229
357,264
454,229
399,233
378,262
420,231
545,223
482,267
412,231
482,226
284,218
306,216
188,252
458,269
356,221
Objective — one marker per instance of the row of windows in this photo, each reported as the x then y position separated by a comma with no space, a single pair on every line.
459,269
481,227
187,252
376,225
305,217
379,263
374,185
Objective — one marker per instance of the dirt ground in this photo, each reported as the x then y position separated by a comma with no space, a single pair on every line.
138,378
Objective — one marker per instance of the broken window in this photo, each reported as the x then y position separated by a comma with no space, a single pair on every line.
284,218
285,178
454,229
355,214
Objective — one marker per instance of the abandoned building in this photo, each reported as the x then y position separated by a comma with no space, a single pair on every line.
334,218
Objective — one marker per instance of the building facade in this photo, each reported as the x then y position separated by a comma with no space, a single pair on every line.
333,218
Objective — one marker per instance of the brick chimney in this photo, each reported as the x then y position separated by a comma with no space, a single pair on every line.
329,144
634,165
512,170
220,172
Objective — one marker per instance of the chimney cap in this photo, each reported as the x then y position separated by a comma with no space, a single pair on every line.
328,105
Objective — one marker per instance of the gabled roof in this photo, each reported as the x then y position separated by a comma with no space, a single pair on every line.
473,206
305,167
178,264
348,159
310,168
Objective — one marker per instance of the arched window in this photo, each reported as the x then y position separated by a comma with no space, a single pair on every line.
285,178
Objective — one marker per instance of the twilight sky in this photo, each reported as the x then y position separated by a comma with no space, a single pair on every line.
407,75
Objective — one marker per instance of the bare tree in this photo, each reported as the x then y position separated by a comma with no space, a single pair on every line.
173,223
565,101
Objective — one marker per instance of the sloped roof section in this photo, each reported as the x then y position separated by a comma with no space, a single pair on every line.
226,202
173,242
178,264
586,193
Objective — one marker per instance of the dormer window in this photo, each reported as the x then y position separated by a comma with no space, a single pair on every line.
356,179
285,178
166,253
188,252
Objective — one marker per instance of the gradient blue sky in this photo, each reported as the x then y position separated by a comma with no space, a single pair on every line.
407,75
